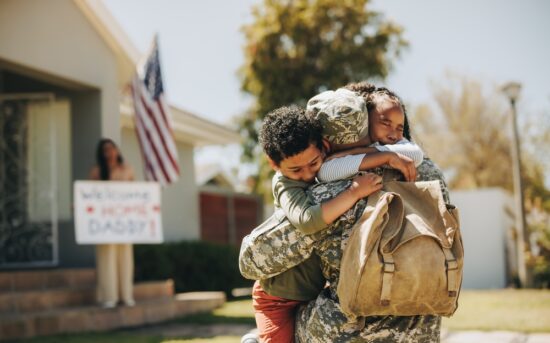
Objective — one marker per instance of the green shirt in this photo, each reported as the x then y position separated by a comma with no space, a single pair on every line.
306,280
303,282
301,211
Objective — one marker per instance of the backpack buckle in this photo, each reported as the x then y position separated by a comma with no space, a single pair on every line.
389,267
451,264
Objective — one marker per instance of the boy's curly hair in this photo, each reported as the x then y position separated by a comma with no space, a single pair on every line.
287,131
374,96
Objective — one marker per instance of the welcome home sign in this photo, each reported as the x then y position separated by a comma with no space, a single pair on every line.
117,212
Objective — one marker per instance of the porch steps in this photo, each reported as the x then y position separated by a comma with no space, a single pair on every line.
37,303
48,299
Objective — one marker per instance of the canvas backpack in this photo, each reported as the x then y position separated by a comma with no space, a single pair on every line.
404,256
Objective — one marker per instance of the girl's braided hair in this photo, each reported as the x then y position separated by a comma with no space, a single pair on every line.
374,96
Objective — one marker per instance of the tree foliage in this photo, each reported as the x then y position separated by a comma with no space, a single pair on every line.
296,48
468,132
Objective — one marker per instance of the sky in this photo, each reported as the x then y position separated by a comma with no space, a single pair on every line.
494,41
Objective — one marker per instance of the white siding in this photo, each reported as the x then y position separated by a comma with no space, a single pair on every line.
53,37
180,207
484,225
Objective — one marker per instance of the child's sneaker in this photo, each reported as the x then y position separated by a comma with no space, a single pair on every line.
251,337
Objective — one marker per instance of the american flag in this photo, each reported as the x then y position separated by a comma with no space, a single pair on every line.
153,122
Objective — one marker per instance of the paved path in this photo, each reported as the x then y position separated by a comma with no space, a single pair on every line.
493,337
173,330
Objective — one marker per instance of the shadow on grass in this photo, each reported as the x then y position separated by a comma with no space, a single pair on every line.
235,311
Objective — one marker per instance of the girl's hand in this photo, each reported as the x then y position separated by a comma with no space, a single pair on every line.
404,164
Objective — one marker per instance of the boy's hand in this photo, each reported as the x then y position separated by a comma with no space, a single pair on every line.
365,185
404,164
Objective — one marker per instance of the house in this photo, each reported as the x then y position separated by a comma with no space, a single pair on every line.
64,70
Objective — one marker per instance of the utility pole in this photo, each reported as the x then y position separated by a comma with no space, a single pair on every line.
512,91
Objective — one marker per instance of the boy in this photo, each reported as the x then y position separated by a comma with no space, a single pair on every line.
293,142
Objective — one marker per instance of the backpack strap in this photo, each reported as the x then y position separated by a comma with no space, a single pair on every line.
387,279
452,272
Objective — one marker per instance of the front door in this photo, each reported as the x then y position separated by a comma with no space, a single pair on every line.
28,191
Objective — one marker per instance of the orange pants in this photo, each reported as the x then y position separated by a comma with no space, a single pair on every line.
274,316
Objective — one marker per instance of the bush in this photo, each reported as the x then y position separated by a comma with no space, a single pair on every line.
193,265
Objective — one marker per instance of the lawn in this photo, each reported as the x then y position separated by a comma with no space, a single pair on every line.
510,310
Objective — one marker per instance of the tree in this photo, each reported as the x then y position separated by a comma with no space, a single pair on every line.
467,134
297,48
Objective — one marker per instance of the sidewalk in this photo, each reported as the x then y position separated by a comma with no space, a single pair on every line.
493,337
174,330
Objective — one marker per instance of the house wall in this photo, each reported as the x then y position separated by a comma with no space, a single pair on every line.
54,40
180,210
485,225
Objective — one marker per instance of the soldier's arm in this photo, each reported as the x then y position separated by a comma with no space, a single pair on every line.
429,171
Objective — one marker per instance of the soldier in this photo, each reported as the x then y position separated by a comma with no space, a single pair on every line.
322,320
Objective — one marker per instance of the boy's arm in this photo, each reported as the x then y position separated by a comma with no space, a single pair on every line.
300,211
405,148
309,217
361,186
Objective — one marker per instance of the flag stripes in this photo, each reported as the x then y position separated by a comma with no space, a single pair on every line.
153,126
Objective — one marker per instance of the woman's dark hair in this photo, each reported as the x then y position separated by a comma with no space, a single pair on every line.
374,95
102,161
287,131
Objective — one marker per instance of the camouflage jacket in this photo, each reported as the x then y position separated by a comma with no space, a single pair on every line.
276,249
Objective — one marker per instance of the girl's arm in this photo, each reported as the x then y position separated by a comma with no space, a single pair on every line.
405,148
347,166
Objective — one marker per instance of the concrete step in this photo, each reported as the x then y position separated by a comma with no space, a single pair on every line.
46,279
93,318
21,302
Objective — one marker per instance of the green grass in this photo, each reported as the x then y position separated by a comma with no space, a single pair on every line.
510,310
233,312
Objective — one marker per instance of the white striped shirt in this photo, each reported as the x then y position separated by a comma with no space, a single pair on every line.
347,166
403,147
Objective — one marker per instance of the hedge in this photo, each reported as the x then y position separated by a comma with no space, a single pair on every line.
193,265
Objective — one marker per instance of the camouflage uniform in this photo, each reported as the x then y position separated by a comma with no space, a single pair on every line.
322,320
